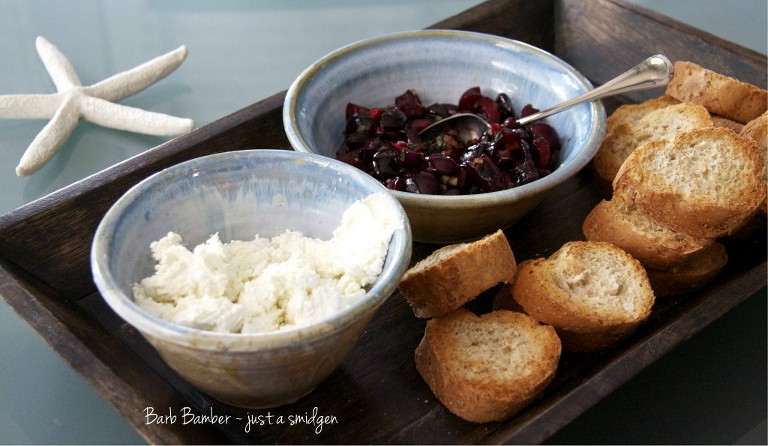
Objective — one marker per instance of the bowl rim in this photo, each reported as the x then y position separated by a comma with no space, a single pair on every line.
562,173
400,249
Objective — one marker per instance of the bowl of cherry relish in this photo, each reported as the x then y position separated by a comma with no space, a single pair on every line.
367,103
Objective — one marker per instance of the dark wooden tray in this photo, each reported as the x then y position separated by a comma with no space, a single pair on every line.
376,396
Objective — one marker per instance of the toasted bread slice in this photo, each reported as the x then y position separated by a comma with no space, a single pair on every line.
632,113
619,134
719,121
655,246
573,341
720,94
666,122
613,150
757,130
487,368
691,274
456,274
656,124
706,182
593,293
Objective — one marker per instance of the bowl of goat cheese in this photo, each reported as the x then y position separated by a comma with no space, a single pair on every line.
253,273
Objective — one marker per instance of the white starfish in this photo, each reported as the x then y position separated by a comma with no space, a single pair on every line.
94,103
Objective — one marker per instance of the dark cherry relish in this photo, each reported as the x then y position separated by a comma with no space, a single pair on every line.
385,143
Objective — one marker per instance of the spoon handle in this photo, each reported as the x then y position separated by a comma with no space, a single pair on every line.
656,71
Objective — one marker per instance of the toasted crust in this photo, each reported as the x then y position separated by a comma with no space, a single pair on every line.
690,275
647,123
706,182
757,130
720,94
618,143
653,245
456,274
572,341
719,121
593,293
487,368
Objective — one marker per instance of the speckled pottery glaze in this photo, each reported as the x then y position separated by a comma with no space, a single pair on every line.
440,65
240,194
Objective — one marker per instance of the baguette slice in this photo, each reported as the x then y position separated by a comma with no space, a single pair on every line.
719,121
633,113
572,341
655,246
593,293
706,182
656,124
757,130
456,274
666,122
721,95
619,132
691,274
616,146
487,368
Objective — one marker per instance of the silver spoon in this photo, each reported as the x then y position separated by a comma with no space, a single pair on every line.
656,71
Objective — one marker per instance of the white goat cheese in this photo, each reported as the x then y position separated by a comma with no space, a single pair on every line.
269,284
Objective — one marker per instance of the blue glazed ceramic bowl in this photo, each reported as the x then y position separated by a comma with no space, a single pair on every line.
240,194
440,65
